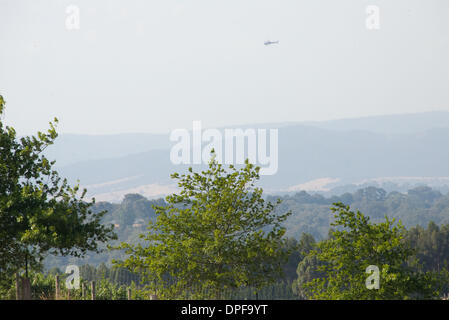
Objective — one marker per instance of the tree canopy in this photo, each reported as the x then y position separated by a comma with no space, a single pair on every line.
217,233
354,246
39,212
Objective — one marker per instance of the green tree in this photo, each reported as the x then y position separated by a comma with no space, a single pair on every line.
217,234
432,246
307,271
356,244
307,268
39,212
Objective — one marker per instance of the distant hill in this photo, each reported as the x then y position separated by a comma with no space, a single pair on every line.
73,148
342,151
389,124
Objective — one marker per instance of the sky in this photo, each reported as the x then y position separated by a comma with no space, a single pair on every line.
154,66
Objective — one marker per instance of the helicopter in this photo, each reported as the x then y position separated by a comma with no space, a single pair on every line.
267,43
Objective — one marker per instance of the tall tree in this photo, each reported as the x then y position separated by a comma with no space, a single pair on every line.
307,268
355,245
39,212
432,246
218,233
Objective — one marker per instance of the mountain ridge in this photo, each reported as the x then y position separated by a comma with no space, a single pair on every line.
306,153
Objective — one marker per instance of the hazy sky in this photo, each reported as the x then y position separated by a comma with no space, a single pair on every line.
152,66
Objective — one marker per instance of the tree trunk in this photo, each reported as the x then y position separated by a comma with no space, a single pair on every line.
93,290
18,287
57,289
26,289
83,291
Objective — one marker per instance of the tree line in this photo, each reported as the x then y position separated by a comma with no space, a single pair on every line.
219,237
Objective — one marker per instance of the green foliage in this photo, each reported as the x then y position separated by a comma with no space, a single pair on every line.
120,276
417,207
217,234
357,244
432,246
307,268
43,287
39,212
310,214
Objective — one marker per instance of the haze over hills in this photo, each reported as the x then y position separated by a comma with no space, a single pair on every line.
389,124
74,148
410,148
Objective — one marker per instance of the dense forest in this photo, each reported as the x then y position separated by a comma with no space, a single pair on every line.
431,254
418,206
310,214
423,211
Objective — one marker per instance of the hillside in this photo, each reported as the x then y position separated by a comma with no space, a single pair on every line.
343,156
311,214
